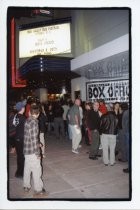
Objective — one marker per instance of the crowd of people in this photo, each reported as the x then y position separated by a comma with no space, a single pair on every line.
96,124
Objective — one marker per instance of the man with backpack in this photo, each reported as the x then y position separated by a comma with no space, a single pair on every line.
19,121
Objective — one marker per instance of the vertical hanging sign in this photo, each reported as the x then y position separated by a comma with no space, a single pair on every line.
15,82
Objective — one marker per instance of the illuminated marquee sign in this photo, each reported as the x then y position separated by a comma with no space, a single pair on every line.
47,40
111,91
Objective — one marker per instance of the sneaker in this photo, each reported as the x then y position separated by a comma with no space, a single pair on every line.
93,158
41,193
99,156
119,159
26,189
43,156
100,147
126,170
13,150
116,153
19,176
75,151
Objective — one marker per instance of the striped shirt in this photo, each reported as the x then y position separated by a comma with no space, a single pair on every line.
31,138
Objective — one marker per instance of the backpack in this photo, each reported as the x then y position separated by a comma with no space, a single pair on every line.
12,129
15,120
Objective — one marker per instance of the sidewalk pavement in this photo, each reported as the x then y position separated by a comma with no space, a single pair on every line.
69,176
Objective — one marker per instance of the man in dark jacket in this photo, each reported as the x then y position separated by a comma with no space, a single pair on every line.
93,122
108,131
19,122
42,130
126,130
58,120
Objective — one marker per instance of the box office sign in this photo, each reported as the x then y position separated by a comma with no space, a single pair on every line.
111,91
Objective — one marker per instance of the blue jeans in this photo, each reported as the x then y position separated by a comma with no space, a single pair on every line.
59,127
50,127
69,132
122,145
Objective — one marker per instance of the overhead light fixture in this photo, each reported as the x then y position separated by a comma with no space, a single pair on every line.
43,12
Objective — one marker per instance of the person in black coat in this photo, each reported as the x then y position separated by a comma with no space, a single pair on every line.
93,122
42,130
50,117
58,120
126,129
19,121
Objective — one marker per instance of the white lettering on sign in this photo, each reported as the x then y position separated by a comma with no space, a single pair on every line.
109,91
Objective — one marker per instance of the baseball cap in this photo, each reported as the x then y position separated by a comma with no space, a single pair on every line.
20,105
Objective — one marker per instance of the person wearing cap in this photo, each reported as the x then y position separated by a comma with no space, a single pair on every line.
19,121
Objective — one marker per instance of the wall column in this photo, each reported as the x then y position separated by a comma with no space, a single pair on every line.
42,94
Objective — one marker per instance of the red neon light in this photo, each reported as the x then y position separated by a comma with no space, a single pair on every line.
13,58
